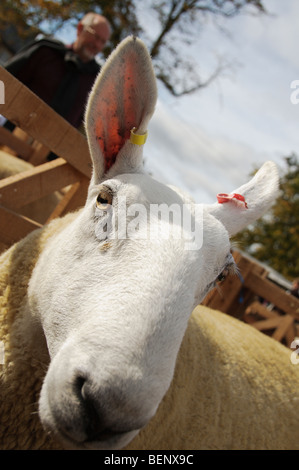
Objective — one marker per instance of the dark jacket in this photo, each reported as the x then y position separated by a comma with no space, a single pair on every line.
56,74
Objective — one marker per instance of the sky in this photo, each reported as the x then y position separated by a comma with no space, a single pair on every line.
210,141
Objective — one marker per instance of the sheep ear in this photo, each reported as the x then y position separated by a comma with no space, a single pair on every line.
123,97
259,194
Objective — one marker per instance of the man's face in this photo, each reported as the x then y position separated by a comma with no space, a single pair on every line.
91,40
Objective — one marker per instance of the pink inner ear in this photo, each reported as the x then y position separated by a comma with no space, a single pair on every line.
118,110
112,145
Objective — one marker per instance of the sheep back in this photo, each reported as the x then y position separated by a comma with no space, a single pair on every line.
234,388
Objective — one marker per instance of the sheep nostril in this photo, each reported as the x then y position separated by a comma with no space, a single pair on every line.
78,386
92,418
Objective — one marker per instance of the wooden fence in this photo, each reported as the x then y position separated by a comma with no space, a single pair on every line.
39,130
254,298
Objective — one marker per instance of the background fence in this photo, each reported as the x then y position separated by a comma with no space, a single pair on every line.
256,299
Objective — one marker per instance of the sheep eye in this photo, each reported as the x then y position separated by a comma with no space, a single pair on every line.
104,199
223,275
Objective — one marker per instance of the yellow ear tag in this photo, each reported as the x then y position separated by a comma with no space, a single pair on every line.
137,139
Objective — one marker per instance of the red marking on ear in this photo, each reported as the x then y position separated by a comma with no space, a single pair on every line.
223,198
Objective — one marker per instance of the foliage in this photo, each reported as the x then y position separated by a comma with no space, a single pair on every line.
179,22
274,238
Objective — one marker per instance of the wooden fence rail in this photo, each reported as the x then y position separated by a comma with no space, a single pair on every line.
39,130
42,123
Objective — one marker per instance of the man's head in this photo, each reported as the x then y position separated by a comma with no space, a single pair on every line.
93,31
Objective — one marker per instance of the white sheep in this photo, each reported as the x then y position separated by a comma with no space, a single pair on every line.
95,307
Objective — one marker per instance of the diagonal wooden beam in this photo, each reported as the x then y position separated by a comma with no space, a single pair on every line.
30,113
274,294
23,188
14,226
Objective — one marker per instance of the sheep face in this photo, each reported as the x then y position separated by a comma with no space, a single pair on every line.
114,290
114,312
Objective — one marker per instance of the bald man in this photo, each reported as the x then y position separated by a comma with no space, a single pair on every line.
62,75
93,32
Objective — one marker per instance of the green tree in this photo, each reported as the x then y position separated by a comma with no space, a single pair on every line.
179,24
274,238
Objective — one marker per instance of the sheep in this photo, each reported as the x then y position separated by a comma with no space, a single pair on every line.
233,387
100,349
